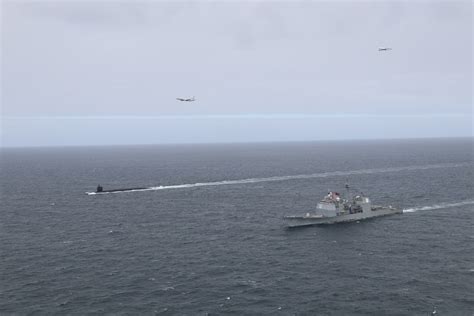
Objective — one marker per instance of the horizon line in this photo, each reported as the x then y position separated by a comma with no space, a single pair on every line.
234,116
248,142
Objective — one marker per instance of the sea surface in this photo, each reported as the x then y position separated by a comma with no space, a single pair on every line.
208,237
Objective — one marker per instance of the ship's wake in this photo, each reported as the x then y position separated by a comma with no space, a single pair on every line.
438,206
296,177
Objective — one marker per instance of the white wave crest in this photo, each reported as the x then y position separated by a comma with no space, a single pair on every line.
295,177
437,206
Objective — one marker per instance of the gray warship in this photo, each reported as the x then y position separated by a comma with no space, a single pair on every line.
334,208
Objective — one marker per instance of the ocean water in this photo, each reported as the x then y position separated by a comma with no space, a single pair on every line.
208,237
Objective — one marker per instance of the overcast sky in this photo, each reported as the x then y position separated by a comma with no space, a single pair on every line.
108,72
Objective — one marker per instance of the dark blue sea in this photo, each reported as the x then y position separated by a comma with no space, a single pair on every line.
209,238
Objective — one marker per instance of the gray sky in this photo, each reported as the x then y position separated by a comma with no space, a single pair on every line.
108,72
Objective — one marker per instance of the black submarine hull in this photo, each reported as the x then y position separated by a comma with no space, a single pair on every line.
119,190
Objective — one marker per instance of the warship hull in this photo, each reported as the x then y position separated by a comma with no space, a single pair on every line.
310,220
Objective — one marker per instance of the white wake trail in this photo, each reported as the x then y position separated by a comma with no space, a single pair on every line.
295,177
438,206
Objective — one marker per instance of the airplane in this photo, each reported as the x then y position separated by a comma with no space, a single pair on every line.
384,49
186,100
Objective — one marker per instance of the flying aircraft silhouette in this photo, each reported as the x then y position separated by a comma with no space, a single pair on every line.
186,100
384,49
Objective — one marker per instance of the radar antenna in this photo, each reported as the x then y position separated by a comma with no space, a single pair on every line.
349,197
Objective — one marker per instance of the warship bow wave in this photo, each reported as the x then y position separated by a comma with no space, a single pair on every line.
333,208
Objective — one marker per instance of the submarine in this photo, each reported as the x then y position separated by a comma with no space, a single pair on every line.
101,190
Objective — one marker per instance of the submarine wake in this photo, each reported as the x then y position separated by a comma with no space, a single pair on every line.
289,177
438,206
